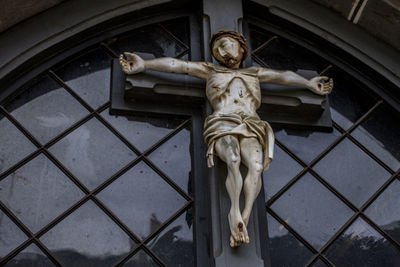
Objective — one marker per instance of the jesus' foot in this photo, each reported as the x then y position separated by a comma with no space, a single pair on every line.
238,230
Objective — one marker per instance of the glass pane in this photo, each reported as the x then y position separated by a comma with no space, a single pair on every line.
92,153
312,210
380,133
88,237
356,175
142,132
307,145
284,248
141,259
361,245
10,235
173,158
38,192
32,256
319,263
149,39
46,109
179,28
348,99
258,37
14,146
385,210
284,55
141,198
89,77
282,169
174,246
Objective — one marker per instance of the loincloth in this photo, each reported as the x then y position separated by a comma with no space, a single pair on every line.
217,126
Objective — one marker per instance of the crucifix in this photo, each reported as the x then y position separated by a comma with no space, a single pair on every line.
242,101
234,131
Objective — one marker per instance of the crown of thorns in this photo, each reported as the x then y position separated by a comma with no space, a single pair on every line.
235,35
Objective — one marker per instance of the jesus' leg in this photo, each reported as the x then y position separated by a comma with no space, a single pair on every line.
228,150
252,155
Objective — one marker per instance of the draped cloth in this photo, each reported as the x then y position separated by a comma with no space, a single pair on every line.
217,126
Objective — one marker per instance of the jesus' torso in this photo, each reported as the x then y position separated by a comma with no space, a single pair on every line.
233,91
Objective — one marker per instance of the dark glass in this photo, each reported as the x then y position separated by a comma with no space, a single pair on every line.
179,28
46,109
10,235
312,210
355,174
142,132
38,192
10,139
88,237
282,169
258,37
141,199
174,245
150,39
173,158
360,245
89,76
282,54
307,145
385,211
141,259
348,99
284,248
31,256
319,263
92,153
380,134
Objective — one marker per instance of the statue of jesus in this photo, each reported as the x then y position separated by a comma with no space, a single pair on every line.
234,131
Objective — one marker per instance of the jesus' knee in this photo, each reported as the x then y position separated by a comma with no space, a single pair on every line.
255,168
233,161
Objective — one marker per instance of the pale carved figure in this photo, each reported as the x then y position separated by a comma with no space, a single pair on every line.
234,131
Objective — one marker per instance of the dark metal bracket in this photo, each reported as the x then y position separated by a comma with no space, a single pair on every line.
168,93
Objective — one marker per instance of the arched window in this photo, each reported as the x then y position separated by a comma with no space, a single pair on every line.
80,186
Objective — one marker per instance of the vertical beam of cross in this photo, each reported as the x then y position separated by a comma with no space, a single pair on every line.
218,15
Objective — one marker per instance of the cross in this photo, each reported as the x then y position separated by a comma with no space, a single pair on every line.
279,104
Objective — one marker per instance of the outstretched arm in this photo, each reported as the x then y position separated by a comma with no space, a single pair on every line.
320,85
135,64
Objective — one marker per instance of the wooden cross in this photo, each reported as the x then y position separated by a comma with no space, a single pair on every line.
174,93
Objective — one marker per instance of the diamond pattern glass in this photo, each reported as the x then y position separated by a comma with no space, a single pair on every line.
92,153
175,245
380,133
284,55
149,39
30,256
179,28
142,132
319,263
284,248
89,77
307,145
141,199
38,192
348,99
46,109
173,158
141,259
361,245
342,169
312,210
282,169
385,210
10,138
10,235
88,237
